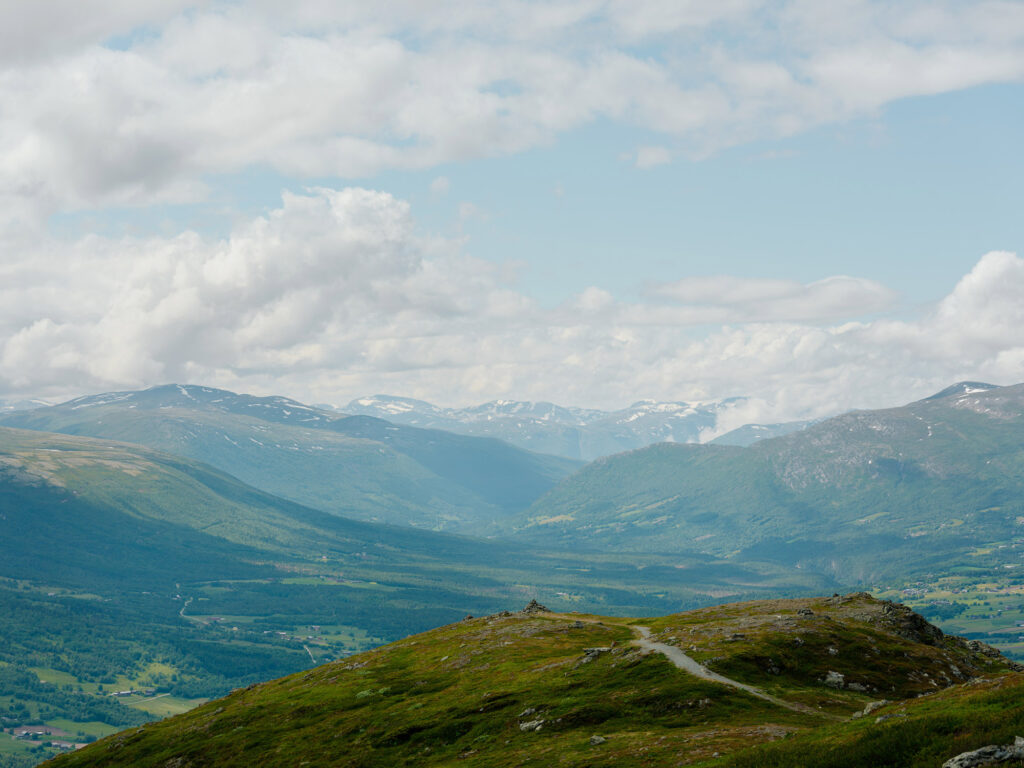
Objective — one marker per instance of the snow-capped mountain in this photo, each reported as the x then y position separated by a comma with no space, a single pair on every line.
189,396
577,433
7,406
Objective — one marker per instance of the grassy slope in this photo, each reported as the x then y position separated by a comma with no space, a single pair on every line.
462,692
354,466
864,495
921,733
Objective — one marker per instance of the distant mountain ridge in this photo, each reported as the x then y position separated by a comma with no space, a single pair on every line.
7,406
962,388
749,434
578,433
860,496
357,466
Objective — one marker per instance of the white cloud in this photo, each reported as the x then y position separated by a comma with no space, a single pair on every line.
30,31
649,157
319,89
439,186
336,293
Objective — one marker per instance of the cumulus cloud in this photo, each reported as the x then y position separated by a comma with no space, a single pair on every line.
336,293
44,28
127,103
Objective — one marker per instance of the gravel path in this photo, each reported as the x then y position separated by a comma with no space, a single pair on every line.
685,663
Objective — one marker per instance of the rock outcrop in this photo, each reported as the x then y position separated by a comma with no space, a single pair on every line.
993,754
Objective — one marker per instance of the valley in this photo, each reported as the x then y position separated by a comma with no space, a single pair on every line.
511,384
128,569
144,576
356,466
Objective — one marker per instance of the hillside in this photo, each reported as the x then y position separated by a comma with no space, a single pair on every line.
867,495
129,569
575,433
128,557
749,434
359,467
536,688
87,513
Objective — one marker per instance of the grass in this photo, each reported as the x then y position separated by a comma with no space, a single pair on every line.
425,700
164,705
466,694
924,732
92,728
47,675
11,746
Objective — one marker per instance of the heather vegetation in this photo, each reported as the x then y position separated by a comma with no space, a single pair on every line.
536,688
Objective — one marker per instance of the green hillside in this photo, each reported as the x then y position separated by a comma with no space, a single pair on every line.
355,466
128,569
537,688
866,496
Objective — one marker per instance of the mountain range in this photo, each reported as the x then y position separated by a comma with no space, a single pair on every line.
6,406
192,540
863,495
575,433
358,466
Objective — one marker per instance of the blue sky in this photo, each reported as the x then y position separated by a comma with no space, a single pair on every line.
587,201
911,197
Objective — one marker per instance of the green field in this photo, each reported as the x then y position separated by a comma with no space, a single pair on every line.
163,704
986,604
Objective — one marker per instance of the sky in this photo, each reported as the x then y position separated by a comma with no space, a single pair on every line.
592,202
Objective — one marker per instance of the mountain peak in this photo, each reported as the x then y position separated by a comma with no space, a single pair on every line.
962,388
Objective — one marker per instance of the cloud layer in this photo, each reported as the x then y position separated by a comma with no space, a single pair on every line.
132,103
336,294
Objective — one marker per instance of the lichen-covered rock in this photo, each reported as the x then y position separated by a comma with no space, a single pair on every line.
911,626
835,679
872,706
589,654
993,754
